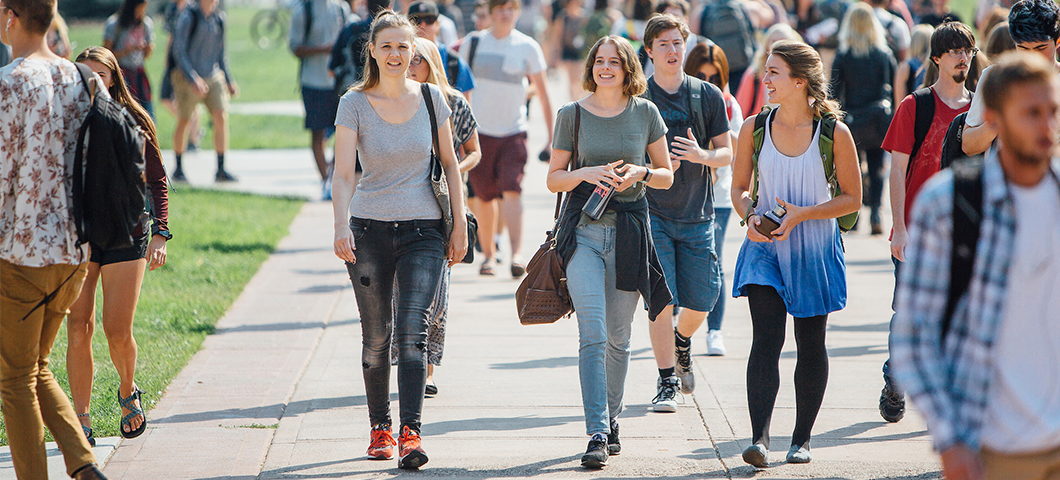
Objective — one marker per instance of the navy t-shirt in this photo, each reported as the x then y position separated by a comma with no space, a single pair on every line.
690,199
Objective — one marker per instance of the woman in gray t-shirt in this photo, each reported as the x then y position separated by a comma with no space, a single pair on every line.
614,131
390,232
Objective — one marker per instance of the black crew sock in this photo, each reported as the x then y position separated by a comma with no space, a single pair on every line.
681,340
666,372
220,162
179,161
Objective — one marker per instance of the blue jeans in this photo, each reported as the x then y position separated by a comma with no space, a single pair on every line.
604,318
721,223
686,251
401,260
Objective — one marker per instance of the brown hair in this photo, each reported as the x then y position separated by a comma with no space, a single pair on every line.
500,3
665,5
36,15
805,64
999,41
119,90
951,35
634,82
663,22
1014,68
708,52
386,19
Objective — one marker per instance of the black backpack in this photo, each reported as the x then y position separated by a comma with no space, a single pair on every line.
109,185
726,23
452,66
967,219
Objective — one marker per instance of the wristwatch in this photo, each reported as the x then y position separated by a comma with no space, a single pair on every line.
647,175
164,234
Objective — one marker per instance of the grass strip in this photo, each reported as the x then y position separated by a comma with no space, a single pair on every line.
217,248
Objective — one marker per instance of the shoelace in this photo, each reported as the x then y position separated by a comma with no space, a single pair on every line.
667,392
684,358
596,443
894,400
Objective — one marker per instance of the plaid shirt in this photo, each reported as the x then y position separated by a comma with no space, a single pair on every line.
949,383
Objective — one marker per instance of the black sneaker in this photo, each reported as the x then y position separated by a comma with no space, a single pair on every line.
892,401
178,176
596,455
223,176
684,366
614,447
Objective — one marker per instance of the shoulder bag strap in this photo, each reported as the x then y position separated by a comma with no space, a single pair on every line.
436,163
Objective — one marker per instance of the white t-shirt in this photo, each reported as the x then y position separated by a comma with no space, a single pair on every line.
976,112
723,184
1023,404
500,67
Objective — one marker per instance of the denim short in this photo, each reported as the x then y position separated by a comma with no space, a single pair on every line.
689,261
106,257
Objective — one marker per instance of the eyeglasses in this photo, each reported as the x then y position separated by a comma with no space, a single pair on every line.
416,60
13,12
959,52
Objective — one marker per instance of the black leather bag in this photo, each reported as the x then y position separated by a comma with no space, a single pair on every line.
441,188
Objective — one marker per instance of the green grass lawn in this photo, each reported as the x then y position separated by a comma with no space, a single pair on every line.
262,75
217,248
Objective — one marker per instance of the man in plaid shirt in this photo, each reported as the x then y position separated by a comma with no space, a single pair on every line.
989,388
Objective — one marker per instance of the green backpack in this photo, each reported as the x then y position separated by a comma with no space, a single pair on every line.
846,222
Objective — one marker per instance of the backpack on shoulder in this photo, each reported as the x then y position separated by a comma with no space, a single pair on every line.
826,142
726,23
109,184
967,220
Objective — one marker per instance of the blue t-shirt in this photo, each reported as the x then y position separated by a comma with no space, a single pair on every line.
464,81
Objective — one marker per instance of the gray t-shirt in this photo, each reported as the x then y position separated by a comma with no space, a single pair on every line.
327,17
395,159
124,38
690,198
625,136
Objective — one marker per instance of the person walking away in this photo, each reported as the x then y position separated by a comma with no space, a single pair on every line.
202,76
861,81
171,13
426,67
895,30
610,261
1035,27
130,34
707,62
916,151
797,268
425,16
502,59
682,216
977,350
910,74
122,272
390,232
315,25
42,105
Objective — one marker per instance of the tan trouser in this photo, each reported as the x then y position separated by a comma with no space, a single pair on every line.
31,397
1030,466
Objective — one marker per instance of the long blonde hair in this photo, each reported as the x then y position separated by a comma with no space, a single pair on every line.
386,19
429,51
805,64
781,31
861,31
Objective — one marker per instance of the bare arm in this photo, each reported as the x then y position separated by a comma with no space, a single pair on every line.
538,81
742,172
472,153
342,185
900,236
458,238
977,139
901,76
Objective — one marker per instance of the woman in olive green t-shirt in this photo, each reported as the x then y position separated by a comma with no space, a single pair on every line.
616,128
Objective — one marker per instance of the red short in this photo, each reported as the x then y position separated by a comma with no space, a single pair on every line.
501,167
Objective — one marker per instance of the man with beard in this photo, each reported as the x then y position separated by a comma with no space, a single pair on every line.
914,160
988,384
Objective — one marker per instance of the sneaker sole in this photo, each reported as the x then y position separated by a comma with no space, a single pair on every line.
413,460
715,353
381,457
614,449
659,408
593,463
687,387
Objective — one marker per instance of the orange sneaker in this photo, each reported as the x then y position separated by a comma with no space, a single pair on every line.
382,446
411,455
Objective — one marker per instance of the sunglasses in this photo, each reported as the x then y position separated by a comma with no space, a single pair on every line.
428,19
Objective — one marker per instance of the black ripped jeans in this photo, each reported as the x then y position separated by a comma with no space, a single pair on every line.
399,261
769,318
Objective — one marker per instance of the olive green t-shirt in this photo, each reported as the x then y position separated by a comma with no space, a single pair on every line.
625,136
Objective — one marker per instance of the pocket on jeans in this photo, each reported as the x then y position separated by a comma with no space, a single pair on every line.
358,229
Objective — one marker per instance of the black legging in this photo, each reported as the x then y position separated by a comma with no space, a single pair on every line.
769,316
874,193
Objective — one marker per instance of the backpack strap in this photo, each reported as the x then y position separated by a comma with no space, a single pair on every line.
452,66
759,137
967,217
925,113
951,145
696,95
826,142
87,73
472,48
